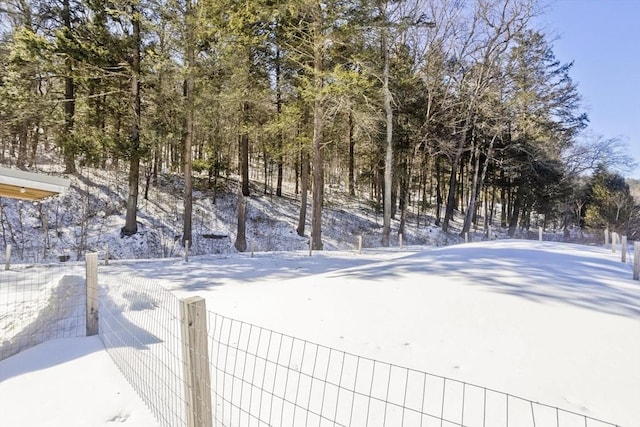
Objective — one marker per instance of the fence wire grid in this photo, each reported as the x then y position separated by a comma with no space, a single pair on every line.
40,303
139,325
260,377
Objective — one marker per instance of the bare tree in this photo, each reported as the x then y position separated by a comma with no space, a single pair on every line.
131,223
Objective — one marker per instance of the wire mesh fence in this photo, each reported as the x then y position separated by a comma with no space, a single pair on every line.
260,377
40,303
265,378
256,376
140,328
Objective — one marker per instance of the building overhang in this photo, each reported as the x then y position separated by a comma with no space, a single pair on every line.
22,185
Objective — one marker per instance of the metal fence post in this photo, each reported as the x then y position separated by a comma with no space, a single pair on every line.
92,293
195,354
7,259
636,261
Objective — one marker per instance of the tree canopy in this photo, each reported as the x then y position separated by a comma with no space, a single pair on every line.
455,106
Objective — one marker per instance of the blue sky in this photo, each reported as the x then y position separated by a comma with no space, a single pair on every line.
602,37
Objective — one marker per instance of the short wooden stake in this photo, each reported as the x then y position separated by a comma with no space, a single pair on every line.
360,244
606,237
252,245
489,232
636,261
186,251
197,382
623,249
92,293
614,241
106,254
540,233
7,259
466,237
400,240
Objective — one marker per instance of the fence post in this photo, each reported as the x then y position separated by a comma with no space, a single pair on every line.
7,259
466,237
106,254
636,261
360,244
196,362
540,233
400,240
92,293
186,251
614,241
623,249
489,232
606,237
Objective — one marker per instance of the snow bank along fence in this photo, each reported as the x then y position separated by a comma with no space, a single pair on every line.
612,240
44,302
620,242
194,367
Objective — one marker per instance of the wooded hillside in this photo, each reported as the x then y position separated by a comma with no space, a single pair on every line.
436,105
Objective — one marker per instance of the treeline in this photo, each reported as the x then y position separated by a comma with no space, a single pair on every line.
455,106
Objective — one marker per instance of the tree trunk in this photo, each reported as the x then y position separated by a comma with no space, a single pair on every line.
517,205
131,224
280,137
451,197
244,152
304,190
69,101
503,201
477,184
241,239
318,129
352,144
189,88
439,198
388,158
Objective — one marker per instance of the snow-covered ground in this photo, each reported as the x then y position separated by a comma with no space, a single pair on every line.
68,383
550,322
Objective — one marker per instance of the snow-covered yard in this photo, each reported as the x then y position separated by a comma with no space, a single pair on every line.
550,322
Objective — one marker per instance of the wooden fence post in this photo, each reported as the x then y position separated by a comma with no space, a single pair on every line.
186,251
466,237
606,237
360,244
7,259
540,233
614,241
106,254
636,261
489,232
193,316
400,240
92,293
623,249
